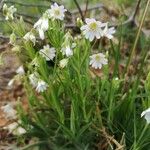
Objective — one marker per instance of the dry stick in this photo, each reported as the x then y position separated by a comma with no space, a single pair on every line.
136,9
131,18
79,9
86,7
109,138
137,38
90,8
28,5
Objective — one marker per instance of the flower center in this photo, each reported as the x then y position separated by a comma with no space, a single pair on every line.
57,12
93,26
46,50
97,58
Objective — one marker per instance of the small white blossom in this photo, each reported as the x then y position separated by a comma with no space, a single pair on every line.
34,79
30,37
56,12
92,29
9,111
42,26
47,52
20,70
9,12
146,115
63,63
41,86
108,32
98,60
67,51
15,129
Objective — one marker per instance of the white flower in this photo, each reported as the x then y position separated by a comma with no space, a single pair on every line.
56,12
9,111
92,29
34,79
146,115
63,63
30,37
42,26
9,12
98,60
108,32
67,51
20,70
47,52
15,129
41,86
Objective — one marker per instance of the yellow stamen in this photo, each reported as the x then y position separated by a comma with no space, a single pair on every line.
97,58
93,26
57,12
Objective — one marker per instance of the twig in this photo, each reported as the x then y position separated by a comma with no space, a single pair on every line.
27,4
136,9
90,8
79,9
86,7
109,138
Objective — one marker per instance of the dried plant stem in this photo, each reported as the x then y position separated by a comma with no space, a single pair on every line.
79,9
137,38
136,9
86,7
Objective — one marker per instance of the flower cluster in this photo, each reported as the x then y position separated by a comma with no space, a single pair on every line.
93,29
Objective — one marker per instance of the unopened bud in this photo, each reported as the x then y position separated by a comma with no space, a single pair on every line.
79,22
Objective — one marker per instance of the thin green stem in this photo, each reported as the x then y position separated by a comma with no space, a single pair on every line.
137,38
142,134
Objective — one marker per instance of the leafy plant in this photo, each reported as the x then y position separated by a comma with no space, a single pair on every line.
76,97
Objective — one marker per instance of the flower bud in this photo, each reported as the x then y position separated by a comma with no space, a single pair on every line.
5,9
63,63
79,22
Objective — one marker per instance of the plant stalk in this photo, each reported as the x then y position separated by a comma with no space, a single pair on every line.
137,38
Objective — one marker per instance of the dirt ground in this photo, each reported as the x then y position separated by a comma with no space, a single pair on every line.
7,94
